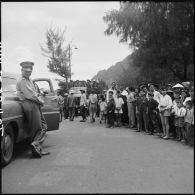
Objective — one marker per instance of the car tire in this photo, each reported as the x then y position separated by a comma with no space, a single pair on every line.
7,145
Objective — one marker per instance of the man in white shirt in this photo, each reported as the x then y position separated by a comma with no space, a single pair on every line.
165,106
118,107
131,107
93,105
83,104
156,93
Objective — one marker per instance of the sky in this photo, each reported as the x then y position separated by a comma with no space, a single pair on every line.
23,30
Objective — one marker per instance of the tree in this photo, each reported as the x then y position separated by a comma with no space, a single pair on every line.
57,53
163,33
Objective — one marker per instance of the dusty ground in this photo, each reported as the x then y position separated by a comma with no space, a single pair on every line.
89,158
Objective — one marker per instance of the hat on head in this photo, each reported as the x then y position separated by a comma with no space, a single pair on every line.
124,92
178,85
27,65
65,94
186,84
111,92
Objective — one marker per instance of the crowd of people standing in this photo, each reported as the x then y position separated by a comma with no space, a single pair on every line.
166,111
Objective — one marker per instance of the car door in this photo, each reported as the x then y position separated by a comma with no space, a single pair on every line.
50,109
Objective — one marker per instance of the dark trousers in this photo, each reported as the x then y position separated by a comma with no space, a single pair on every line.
110,118
65,110
153,122
83,112
71,113
37,125
143,121
172,130
61,113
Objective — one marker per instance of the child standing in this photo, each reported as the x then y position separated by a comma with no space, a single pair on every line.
102,105
188,119
179,112
110,110
118,107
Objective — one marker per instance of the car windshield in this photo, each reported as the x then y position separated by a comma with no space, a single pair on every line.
8,84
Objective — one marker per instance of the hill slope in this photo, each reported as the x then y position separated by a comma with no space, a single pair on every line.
123,72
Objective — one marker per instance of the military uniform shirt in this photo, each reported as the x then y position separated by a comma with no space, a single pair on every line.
26,90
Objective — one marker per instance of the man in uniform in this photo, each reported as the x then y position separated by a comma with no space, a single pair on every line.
31,101
71,105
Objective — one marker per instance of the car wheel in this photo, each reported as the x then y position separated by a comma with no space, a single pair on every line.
7,145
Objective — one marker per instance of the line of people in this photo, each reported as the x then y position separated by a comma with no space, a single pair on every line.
167,112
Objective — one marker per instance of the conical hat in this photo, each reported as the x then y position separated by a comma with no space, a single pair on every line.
178,86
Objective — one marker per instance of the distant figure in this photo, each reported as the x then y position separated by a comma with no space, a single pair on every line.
110,110
118,108
152,114
71,105
131,107
165,106
83,104
113,89
60,104
92,105
103,106
65,108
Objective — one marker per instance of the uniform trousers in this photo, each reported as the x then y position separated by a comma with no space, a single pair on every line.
37,125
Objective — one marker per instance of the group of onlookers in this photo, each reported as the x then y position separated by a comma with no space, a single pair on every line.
166,111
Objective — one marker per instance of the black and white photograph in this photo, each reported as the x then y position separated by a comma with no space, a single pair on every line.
97,97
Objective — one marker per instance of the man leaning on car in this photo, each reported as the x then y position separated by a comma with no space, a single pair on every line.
31,101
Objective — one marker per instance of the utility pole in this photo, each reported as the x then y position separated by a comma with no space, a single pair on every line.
69,50
69,61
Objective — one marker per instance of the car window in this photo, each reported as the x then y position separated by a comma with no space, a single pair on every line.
8,84
43,86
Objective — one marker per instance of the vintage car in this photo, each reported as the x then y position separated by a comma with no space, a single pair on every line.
14,125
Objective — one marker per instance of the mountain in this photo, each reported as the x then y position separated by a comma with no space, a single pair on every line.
123,72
